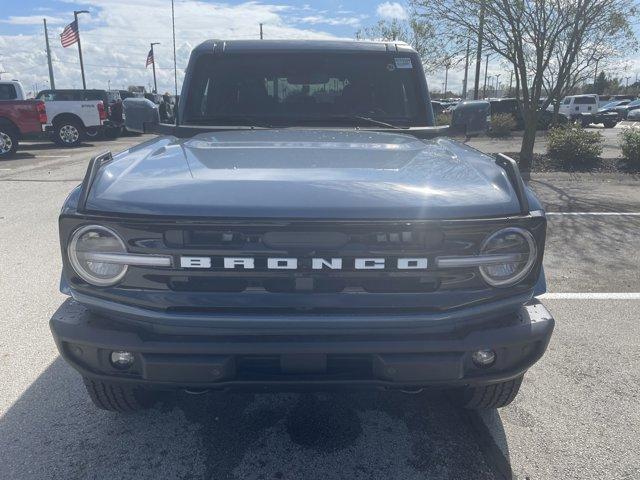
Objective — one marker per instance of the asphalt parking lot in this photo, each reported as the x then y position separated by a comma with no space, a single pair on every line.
577,415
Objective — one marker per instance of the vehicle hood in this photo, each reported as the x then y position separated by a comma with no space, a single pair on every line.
299,173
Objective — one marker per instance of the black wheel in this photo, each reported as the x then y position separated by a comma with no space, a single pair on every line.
113,133
68,133
585,123
118,397
8,142
93,133
496,395
610,124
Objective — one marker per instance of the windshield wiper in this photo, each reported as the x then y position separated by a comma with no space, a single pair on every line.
370,120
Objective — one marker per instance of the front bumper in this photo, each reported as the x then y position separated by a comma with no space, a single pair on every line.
425,354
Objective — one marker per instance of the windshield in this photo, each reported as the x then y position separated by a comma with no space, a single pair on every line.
635,103
298,89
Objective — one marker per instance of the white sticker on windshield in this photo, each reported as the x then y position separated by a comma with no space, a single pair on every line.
403,62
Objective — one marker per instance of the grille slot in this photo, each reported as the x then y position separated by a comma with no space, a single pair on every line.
300,284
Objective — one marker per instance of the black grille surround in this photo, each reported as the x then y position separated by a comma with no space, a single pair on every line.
304,289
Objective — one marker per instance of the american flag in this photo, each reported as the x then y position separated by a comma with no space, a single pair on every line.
149,58
70,35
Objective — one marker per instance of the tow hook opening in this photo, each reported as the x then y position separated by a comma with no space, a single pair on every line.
196,391
414,391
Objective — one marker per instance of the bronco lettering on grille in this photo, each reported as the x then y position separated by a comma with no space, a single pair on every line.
249,263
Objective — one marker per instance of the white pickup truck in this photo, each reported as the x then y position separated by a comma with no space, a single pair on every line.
71,118
11,90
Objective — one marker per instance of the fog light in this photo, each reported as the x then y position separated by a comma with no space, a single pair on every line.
122,359
484,358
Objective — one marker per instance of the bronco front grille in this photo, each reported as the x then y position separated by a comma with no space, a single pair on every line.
304,287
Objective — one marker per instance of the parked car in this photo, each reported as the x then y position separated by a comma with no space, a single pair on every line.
69,118
471,117
611,106
124,94
623,111
360,248
111,124
512,106
634,115
605,99
608,119
575,105
607,115
20,120
11,90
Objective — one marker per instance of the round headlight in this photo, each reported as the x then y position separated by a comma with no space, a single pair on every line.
511,254
90,240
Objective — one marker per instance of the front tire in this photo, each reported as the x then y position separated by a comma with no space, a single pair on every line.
118,397
68,133
496,395
8,142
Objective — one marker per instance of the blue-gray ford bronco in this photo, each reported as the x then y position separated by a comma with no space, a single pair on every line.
304,225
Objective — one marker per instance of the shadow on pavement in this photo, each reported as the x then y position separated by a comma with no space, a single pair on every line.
53,431
19,156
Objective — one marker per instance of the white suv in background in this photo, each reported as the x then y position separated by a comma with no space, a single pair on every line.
575,105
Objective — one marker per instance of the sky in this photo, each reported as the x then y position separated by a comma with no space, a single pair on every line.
116,34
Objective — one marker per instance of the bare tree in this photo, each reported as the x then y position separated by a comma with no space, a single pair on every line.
608,39
434,52
533,35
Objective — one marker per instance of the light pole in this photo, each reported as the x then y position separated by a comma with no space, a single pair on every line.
486,68
466,72
626,89
153,65
446,77
497,82
476,85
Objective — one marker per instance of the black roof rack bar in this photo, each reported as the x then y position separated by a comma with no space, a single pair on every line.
513,174
92,171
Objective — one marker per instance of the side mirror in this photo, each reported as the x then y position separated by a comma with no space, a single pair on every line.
140,115
471,117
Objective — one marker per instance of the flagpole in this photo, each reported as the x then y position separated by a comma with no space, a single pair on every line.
75,16
153,64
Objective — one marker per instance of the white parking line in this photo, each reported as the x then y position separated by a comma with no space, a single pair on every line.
596,214
53,156
591,296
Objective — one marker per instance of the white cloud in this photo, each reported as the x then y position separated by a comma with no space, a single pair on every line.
392,10
350,21
116,37
32,20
